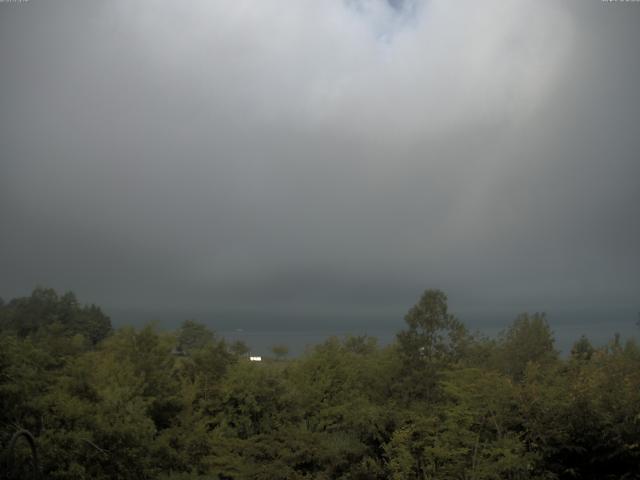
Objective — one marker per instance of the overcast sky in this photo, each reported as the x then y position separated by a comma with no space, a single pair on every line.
322,158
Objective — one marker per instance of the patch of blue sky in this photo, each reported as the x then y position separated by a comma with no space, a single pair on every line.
386,18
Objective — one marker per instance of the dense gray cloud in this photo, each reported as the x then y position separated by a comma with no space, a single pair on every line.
325,158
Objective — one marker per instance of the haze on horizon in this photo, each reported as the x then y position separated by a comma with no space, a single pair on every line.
323,159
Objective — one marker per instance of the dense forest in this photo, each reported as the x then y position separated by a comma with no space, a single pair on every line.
438,403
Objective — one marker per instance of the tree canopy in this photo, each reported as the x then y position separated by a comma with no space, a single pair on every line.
438,403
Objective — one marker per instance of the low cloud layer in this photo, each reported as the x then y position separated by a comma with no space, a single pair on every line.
337,156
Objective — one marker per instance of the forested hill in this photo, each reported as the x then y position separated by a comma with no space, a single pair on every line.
438,403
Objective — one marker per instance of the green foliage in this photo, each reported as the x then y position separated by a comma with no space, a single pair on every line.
193,336
527,340
434,339
433,336
582,350
46,315
437,404
239,348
